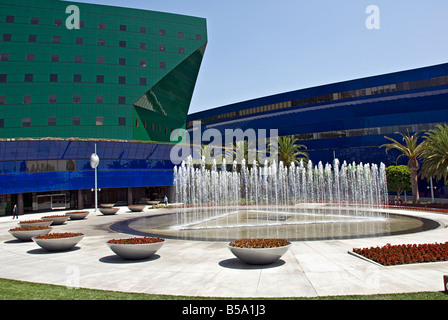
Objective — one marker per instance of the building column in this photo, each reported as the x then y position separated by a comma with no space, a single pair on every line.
80,200
130,196
20,203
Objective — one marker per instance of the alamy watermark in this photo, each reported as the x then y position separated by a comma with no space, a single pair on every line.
73,20
373,20
236,145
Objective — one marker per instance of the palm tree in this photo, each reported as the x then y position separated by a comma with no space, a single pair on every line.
412,150
435,154
288,151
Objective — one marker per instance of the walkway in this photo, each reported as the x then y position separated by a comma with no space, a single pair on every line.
201,268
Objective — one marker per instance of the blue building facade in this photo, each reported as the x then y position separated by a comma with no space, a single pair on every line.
346,120
51,174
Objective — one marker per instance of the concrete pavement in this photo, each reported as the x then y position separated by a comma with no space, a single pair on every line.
203,268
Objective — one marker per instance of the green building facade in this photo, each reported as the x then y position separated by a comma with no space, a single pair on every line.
124,74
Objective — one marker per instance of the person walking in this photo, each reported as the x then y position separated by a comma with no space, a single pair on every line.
165,200
15,212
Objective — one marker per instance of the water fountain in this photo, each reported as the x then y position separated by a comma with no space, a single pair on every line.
300,202
273,199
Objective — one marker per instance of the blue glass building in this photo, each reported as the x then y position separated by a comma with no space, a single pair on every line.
346,120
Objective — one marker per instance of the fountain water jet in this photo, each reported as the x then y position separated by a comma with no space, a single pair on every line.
334,199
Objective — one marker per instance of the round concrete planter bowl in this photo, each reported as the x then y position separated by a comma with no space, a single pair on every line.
77,215
109,211
135,251
26,235
35,223
58,244
56,220
137,207
259,256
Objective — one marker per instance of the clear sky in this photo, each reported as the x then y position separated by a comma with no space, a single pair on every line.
262,47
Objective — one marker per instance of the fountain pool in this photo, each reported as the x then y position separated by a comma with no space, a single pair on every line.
301,202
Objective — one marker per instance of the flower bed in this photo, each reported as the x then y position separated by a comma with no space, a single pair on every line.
136,240
30,228
32,221
59,235
55,216
406,253
259,243
135,248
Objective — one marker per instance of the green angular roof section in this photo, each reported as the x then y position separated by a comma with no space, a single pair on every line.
165,106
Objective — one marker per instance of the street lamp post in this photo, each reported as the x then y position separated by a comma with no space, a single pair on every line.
94,161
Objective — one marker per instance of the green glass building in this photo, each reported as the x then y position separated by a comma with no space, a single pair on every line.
120,74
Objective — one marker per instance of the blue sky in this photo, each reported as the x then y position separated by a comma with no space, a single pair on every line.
262,47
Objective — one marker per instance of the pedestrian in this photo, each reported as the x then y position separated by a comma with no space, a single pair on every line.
165,200
14,212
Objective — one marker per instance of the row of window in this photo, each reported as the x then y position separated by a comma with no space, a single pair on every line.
101,26
99,121
76,121
365,131
32,38
398,87
30,57
52,98
77,78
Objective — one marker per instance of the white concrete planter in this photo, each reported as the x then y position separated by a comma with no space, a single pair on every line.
137,208
26,235
35,224
56,220
59,244
135,251
77,215
259,256
109,211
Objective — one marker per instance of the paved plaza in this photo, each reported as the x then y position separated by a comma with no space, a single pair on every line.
205,268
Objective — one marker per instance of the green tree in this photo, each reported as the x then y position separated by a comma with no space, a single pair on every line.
289,151
398,179
435,154
411,149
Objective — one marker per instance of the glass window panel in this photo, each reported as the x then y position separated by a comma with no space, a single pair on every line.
27,99
56,39
76,121
29,77
30,57
77,78
121,121
51,121
26,122
32,38
58,22
52,98
123,27
100,99
9,19
34,20
78,59
101,26
122,44
101,42
100,60
99,121
4,57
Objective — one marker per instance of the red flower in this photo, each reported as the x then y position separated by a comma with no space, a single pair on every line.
142,240
259,243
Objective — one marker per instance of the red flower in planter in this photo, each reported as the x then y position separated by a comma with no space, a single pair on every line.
59,235
29,228
259,243
143,240
32,221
